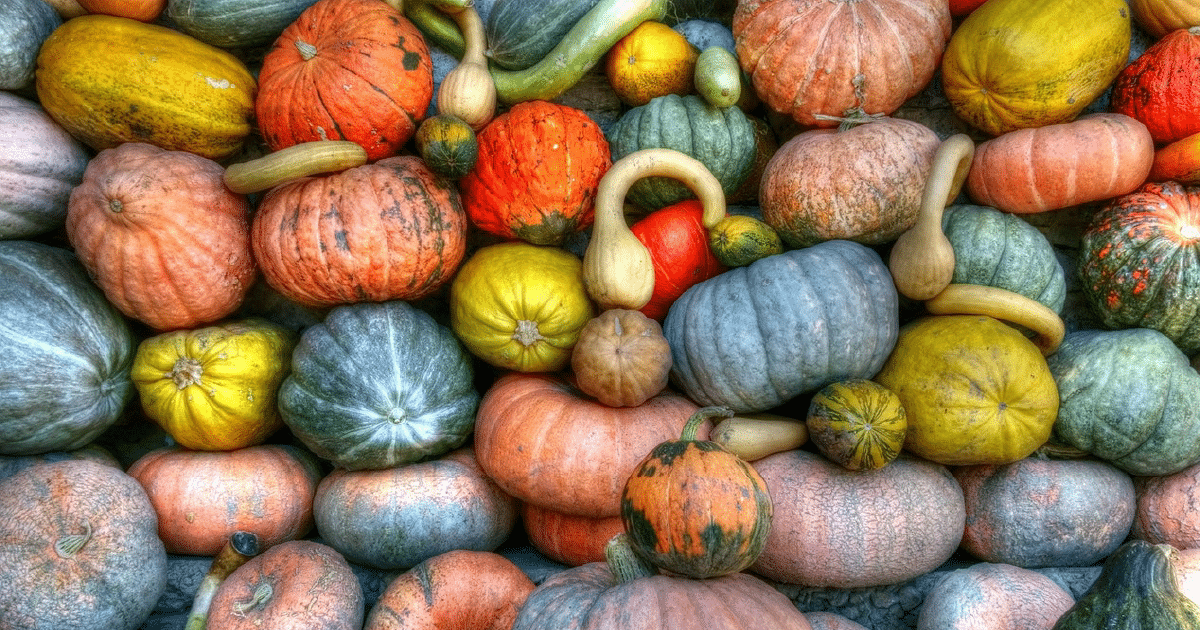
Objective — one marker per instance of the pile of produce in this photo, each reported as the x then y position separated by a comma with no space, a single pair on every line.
636,314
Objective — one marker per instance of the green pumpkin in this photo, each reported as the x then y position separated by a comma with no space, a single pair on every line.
723,139
1129,397
25,24
234,23
520,34
379,384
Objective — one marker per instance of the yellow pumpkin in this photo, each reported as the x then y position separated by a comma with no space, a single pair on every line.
1015,64
109,80
520,306
975,390
652,60
857,423
214,388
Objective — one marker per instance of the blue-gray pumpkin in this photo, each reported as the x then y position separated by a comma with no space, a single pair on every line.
379,384
755,337
25,24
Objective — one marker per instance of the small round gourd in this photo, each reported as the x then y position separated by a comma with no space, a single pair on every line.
738,240
448,145
858,423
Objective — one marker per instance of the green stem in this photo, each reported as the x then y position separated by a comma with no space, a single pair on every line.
624,563
702,415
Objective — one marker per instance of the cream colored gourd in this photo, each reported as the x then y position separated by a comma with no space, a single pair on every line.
468,91
294,162
753,436
617,269
1008,306
922,259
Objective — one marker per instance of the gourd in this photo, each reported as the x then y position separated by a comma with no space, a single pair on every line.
738,240
39,164
448,145
240,547
753,436
27,24
468,91
718,77
1007,596
299,160
234,23
621,358
652,60
857,423
1159,87
1038,321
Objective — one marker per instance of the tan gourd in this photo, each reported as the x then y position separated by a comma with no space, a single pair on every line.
294,162
753,436
468,91
975,299
617,269
922,259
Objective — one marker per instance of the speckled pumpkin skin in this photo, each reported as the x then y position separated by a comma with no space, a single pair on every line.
1007,596
1168,508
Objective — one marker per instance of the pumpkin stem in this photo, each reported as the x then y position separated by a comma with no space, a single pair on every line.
703,414
240,547
69,545
262,594
186,372
307,50
527,333
624,562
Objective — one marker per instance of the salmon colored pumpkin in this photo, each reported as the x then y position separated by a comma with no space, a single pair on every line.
1178,161
677,241
162,236
1168,508
1159,17
1161,88
1007,596
140,10
569,539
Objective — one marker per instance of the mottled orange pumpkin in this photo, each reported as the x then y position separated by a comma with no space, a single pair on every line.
1161,88
570,539
1168,508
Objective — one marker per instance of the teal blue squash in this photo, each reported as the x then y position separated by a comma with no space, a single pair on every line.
67,352
25,25
234,23
757,336
723,139
520,34
1129,397
379,384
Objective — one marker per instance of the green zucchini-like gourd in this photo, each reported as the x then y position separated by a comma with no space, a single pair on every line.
235,23
520,34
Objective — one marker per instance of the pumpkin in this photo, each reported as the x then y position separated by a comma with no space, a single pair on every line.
391,230
67,352
621,358
448,145
39,165
568,539
140,10
862,184
13,464
1137,585
187,236
27,24
519,35
1166,509
413,512
755,337
652,60
80,550
299,584
1159,17
368,79
1094,157
1137,262
1016,64
824,620
1008,597
815,60
677,240
1178,161
214,388
623,592
520,306
765,145
203,497
1159,88
1129,397
1038,512
234,23
461,589
377,385
738,240
857,423
545,442
537,172
905,519
153,84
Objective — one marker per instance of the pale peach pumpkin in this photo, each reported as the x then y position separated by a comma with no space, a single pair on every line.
1168,508
1007,596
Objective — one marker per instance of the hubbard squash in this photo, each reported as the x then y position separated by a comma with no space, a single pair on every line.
677,239
1178,161
39,165
1161,88
140,10
569,539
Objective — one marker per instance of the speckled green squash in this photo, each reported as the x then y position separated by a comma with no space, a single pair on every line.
520,34
738,240
235,23
857,423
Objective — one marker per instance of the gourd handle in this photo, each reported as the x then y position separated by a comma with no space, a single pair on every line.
922,259
1004,305
617,269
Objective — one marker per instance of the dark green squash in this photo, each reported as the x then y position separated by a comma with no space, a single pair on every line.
379,384
448,145
1137,590
519,34
234,23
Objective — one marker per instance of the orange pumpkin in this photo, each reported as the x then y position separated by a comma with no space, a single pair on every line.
345,70
677,241
1161,88
1168,510
1159,17
162,236
1178,161
140,10
569,539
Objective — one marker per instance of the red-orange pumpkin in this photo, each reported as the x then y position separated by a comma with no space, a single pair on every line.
1178,161
536,176
1161,88
162,236
570,539
345,70
389,230
140,10
677,241
1168,508
1159,17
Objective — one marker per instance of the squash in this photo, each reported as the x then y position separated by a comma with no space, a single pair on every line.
738,240
1035,320
234,23
140,10
448,145
718,77
153,84
294,162
1166,509
811,61
467,91
204,497
398,517
26,24
1159,17
1178,161
520,34
1016,64
1008,597
621,358
765,146
652,60
695,509
857,423
81,549
677,239
67,352
1137,262
1159,88
568,539
1129,397
825,620
755,337
753,436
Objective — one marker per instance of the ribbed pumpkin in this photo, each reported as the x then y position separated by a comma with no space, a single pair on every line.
1161,88
234,23
1159,17
345,70
391,230
537,172
39,165
186,235
152,84
814,59
1007,596
677,241
857,423
569,539
1138,262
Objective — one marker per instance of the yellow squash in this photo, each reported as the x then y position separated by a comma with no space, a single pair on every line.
214,388
652,60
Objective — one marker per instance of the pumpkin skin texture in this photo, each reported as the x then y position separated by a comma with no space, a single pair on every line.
79,549
677,241
999,74
27,23
460,589
909,516
187,236
621,358
1009,597
1094,157
1178,161
1161,88
153,84
368,79
1036,513
1166,509
392,230
203,497
1129,397
295,585
234,24
569,539
874,56
378,385
1159,17
857,423
755,337
68,352
13,464
537,172
825,184
1138,262
39,165
525,420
